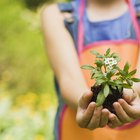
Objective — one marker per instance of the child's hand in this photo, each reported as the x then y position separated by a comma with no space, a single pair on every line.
88,115
127,109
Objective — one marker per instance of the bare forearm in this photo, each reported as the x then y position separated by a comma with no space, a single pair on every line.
72,89
62,56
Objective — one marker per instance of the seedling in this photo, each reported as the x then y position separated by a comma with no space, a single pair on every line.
109,79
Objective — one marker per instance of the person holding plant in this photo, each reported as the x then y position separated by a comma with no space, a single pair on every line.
72,30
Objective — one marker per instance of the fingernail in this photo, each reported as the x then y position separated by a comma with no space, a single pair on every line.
115,103
93,103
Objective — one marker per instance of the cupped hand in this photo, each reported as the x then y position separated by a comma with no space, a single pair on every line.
88,115
127,109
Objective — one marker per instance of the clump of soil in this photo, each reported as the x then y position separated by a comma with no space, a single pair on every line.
114,96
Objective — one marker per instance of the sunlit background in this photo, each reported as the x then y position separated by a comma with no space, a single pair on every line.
27,97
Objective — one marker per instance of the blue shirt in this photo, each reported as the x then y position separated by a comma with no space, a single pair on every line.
115,29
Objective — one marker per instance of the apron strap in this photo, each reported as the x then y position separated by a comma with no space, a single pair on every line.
82,5
134,19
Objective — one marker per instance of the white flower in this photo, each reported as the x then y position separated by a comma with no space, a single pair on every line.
110,61
114,62
106,61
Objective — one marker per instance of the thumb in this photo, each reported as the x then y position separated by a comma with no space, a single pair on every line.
129,95
85,99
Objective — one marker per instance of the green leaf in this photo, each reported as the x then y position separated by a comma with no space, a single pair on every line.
100,81
87,67
108,52
126,67
120,88
112,83
99,63
99,56
126,86
92,72
98,74
130,82
132,73
123,73
114,87
100,99
114,55
94,52
118,82
106,90
111,73
135,79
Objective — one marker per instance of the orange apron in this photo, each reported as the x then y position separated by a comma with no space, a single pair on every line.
128,50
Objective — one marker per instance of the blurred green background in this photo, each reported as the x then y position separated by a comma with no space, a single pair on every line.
27,97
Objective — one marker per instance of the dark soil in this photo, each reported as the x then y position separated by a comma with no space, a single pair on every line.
114,96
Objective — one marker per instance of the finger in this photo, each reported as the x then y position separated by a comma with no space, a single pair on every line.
85,99
122,115
114,121
83,117
131,111
95,120
128,95
104,117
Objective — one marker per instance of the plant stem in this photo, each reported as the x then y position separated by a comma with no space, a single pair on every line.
105,69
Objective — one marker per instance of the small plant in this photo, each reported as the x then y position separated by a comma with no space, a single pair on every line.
109,79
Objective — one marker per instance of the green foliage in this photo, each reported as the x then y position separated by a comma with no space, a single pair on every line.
100,98
106,90
24,68
106,68
26,120
34,4
23,62
87,67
